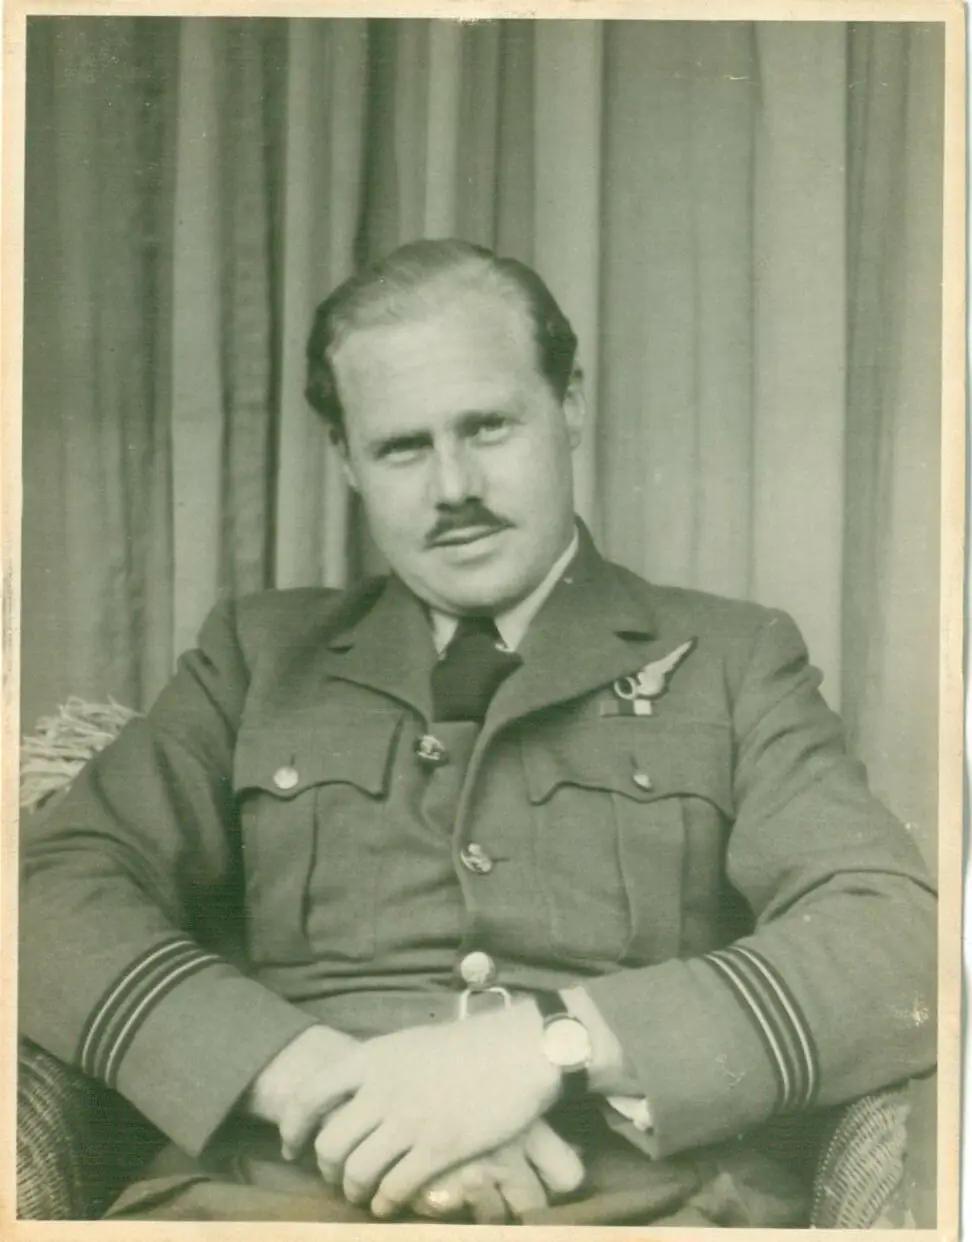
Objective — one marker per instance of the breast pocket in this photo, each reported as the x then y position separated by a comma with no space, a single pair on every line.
313,791
610,801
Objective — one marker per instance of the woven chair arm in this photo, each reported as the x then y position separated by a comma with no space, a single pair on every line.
859,1182
78,1143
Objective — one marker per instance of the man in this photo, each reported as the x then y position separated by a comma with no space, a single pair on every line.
553,883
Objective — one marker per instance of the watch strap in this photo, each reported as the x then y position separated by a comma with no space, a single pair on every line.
551,1005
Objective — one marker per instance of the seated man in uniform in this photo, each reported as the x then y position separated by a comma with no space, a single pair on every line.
506,884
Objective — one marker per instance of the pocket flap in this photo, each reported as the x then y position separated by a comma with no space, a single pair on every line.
286,755
642,758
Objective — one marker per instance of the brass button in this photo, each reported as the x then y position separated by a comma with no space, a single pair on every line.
430,751
478,969
286,777
642,780
475,859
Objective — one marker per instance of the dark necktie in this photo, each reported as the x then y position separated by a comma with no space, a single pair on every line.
470,670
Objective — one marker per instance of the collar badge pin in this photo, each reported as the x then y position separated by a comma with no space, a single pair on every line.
650,682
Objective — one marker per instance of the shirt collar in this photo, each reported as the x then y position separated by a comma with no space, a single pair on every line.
514,622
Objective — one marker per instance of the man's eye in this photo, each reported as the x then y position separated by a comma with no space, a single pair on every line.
491,430
402,453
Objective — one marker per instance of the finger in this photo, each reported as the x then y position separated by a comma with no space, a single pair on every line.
403,1181
473,1177
557,1163
442,1197
485,1200
367,1164
319,1097
341,1133
297,1126
518,1185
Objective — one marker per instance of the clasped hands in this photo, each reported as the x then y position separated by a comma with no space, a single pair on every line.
437,1117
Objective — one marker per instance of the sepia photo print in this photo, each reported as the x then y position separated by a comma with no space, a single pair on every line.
487,614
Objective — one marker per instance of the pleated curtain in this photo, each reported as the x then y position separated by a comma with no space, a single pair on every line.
742,220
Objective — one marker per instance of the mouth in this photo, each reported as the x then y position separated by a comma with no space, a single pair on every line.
465,535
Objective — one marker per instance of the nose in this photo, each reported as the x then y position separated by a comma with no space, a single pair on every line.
456,477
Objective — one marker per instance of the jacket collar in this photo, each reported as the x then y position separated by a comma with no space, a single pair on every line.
580,639
389,649
589,632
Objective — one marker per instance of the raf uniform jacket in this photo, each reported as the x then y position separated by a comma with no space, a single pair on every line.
269,848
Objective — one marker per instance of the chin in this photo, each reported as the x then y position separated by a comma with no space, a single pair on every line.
493,596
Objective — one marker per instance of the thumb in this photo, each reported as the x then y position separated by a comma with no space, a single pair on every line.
309,1102
557,1164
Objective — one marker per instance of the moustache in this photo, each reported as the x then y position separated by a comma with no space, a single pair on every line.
461,519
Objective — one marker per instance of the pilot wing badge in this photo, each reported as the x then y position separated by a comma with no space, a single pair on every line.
635,694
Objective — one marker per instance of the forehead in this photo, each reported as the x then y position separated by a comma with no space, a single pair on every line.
471,348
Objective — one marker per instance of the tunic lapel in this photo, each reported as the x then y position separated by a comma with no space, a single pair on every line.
589,632
389,650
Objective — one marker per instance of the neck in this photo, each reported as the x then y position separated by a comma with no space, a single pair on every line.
513,621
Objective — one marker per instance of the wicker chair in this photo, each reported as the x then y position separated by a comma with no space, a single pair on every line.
79,1143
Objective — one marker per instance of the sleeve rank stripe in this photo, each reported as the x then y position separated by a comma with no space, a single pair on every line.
775,1007
129,999
767,1036
101,1014
797,1019
132,982
148,1002
773,1012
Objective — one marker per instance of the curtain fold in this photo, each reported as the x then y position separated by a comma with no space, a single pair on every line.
741,219
323,147
799,331
677,321
248,101
96,451
893,434
569,78
197,381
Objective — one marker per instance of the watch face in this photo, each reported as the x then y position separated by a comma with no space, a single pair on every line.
567,1044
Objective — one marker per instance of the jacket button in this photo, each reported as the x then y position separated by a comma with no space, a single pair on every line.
475,859
478,969
642,780
430,751
286,778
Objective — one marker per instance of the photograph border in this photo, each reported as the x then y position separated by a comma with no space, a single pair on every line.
953,520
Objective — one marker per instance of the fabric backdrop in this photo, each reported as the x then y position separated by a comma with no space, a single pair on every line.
743,222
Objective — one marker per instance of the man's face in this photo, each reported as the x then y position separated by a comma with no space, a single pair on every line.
460,450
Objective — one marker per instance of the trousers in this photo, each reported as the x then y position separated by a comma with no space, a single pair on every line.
242,1177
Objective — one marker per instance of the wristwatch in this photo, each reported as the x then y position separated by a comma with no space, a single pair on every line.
566,1044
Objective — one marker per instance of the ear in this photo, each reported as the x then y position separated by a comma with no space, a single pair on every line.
575,408
341,447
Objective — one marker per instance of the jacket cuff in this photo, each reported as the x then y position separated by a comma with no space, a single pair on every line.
696,1051
185,1054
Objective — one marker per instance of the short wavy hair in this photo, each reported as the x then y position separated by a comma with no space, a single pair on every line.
415,279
